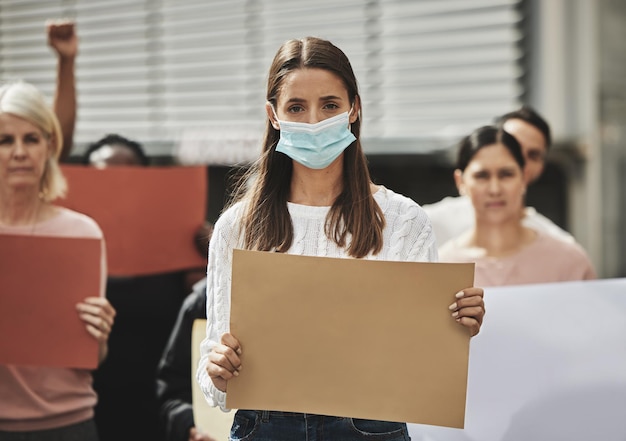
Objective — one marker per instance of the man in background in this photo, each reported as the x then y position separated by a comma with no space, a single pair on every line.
454,215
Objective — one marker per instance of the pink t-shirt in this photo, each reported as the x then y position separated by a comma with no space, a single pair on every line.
547,259
37,398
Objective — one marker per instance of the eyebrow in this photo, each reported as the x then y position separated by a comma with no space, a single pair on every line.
330,97
322,98
536,151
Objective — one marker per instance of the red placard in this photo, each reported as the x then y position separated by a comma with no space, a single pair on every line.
43,278
148,215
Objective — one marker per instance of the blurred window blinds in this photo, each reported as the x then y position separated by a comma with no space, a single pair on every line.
428,70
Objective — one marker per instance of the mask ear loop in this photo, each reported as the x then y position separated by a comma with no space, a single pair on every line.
350,113
277,121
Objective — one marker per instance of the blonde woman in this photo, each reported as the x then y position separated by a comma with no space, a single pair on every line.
44,403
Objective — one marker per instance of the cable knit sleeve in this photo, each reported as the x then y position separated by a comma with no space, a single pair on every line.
409,232
219,276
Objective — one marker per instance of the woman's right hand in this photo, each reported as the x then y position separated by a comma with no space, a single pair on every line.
224,362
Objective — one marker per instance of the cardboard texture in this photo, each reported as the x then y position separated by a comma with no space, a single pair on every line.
349,337
148,215
43,278
210,420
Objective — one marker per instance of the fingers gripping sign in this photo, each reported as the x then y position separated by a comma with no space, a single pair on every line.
98,315
469,309
224,361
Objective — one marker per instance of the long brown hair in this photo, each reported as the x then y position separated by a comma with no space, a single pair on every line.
265,187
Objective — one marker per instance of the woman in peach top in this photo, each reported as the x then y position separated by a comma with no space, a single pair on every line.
40,403
490,171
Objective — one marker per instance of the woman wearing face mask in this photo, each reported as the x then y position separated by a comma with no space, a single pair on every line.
490,171
310,193
38,402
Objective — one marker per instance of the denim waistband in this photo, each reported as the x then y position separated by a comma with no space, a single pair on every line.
266,415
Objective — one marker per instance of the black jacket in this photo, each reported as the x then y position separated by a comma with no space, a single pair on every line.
174,371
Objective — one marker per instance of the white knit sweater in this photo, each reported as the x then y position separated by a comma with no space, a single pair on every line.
407,236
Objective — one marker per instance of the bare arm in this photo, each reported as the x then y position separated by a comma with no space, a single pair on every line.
63,40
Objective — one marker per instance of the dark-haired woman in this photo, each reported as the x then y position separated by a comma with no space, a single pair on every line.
310,193
490,171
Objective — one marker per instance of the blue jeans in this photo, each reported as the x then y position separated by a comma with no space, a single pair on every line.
258,425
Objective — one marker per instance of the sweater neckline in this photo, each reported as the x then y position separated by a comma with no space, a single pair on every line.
322,211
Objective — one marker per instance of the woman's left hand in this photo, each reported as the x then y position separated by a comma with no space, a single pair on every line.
98,315
469,309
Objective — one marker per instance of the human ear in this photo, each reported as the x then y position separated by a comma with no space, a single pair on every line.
356,109
458,180
272,115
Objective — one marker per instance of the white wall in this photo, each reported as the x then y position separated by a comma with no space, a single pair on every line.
569,84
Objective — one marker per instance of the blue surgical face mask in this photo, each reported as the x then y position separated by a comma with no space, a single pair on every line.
315,145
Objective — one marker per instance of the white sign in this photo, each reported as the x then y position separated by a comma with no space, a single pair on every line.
548,364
